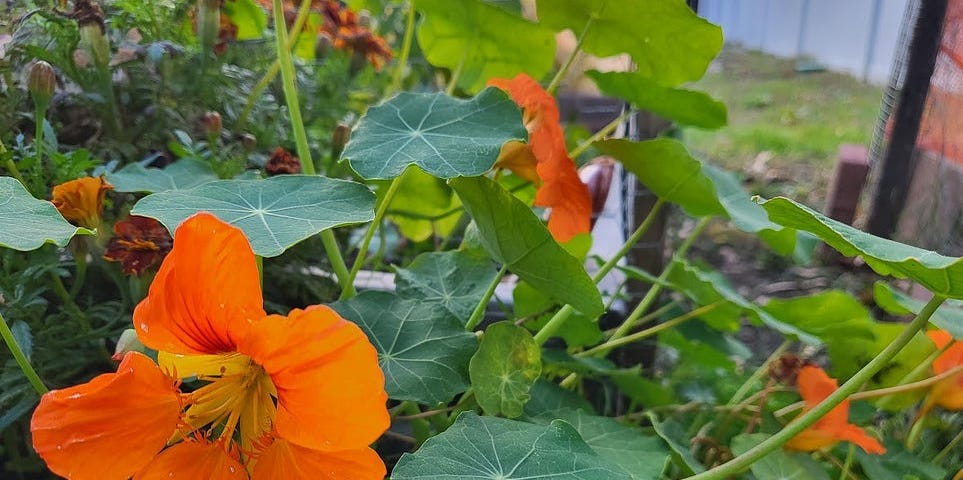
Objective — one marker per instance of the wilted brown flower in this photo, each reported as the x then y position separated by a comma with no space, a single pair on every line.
282,162
785,369
81,201
139,243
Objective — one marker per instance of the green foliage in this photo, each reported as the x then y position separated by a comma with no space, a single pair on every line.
644,456
422,349
779,464
275,213
502,371
180,175
948,317
513,235
446,137
686,107
647,31
453,281
478,41
487,447
938,273
27,222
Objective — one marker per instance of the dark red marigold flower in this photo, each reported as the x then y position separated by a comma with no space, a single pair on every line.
139,243
282,162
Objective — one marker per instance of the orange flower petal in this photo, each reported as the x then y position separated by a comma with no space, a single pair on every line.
811,439
81,201
561,189
206,293
192,460
952,357
570,201
814,386
518,157
330,389
286,461
109,427
854,434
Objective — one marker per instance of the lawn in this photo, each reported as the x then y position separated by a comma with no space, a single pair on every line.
785,127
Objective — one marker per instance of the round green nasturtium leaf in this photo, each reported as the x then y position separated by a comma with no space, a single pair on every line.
483,40
445,136
667,40
488,448
643,456
422,349
938,273
513,235
502,371
274,214
182,174
27,223
454,281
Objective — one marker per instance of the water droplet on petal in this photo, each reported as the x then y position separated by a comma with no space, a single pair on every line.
143,326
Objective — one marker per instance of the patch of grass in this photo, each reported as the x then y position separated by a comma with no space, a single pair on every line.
795,120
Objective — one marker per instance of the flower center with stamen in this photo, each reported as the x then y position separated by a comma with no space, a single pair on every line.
240,400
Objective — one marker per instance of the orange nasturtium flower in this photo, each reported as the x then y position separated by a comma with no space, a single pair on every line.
81,201
295,397
834,427
947,393
544,160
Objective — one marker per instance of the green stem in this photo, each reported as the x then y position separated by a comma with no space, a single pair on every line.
479,312
560,75
566,311
337,261
275,67
949,448
802,422
8,163
604,348
844,472
453,81
405,50
420,427
348,290
291,91
21,359
758,374
301,137
39,115
630,242
554,324
81,276
656,288
599,135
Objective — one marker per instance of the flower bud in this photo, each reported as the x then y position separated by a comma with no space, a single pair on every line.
211,124
364,19
43,81
339,138
249,142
